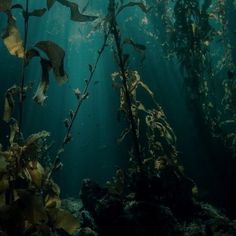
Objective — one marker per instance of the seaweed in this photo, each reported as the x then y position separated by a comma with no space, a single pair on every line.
191,36
29,197
153,195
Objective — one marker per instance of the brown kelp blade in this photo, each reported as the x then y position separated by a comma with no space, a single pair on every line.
38,12
50,3
40,95
55,61
56,56
75,13
9,102
136,46
77,16
8,107
141,5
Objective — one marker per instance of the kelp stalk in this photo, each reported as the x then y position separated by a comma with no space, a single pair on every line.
116,34
85,91
22,83
82,97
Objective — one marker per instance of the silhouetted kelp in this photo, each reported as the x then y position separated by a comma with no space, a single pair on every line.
153,196
29,197
196,30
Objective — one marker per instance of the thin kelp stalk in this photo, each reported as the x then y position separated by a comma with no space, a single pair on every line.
22,83
81,99
84,94
116,34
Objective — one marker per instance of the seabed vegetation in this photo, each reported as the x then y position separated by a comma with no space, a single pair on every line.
153,195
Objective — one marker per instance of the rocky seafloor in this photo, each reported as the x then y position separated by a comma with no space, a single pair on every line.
150,211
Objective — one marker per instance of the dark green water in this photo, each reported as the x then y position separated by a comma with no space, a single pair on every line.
94,151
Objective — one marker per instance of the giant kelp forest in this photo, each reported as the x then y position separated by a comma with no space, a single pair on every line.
159,75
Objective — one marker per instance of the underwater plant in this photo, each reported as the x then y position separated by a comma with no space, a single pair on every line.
127,81
29,197
198,36
152,196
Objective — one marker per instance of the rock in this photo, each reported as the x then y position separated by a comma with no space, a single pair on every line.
87,232
90,194
87,220
72,205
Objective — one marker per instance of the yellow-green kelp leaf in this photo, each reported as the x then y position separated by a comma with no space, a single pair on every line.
64,220
36,171
36,137
12,39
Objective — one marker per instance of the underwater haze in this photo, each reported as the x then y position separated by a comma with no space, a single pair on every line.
137,96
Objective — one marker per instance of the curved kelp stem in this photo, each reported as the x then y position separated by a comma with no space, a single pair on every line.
22,82
121,62
81,98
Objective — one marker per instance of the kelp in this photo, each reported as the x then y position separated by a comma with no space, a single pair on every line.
14,130
81,96
12,38
61,219
33,195
56,56
140,5
140,48
9,100
25,178
113,26
9,103
133,84
55,62
40,96
5,5
37,12
75,14
17,47
197,29
29,198
160,137
198,35
50,3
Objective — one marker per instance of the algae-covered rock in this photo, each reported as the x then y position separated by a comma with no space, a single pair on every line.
72,205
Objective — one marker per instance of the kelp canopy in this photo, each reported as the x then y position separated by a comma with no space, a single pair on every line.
144,85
